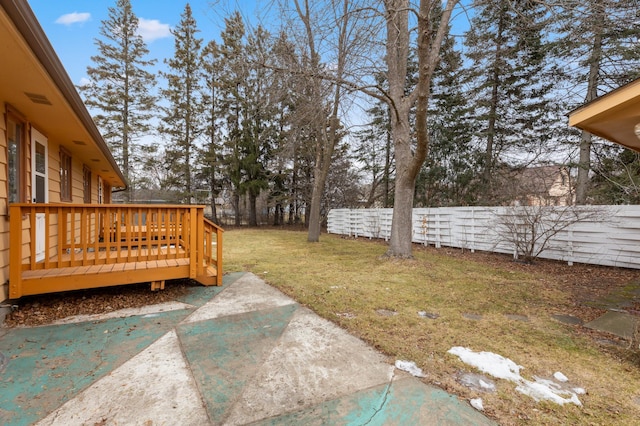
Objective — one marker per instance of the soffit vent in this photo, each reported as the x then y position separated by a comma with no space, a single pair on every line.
79,142
38,99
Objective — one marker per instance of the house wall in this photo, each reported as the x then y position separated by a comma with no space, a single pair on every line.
4,220
77,194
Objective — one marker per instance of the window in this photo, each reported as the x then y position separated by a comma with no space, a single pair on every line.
65,175
100,189
16,148
86,181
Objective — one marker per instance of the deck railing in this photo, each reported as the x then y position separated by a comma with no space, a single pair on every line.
51,236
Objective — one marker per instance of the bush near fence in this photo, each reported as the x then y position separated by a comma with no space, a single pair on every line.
611,240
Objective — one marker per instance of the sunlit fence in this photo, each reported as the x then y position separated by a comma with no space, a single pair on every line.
600,235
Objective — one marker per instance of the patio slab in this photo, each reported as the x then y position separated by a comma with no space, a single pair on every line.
241,354
619,324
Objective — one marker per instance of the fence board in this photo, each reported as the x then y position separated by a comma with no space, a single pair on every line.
613,240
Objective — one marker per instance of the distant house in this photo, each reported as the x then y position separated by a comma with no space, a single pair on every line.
539,186
58,230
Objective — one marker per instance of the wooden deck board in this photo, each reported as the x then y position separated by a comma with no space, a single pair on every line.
118,255
102,269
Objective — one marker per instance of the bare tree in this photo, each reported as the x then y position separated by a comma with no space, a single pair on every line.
327,41
410,156
530,230
356,25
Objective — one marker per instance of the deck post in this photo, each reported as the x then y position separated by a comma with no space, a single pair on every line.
193,248
200,242
15,252
219,255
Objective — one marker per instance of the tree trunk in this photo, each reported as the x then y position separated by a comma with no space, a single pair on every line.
327,138
410,156
253,216
584,165
313,235
236,206
487,172
400,245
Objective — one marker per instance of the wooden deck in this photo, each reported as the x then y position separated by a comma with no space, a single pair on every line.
71,247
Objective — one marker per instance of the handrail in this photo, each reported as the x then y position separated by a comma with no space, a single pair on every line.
211,229
82,235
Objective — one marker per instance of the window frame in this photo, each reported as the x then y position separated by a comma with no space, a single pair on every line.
66,168
87,184
100,190
11,114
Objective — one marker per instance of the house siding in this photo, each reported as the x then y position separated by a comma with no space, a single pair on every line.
77,195
4,221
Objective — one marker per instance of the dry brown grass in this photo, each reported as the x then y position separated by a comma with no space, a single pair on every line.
347,282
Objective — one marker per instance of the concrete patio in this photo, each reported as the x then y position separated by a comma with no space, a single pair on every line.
243,353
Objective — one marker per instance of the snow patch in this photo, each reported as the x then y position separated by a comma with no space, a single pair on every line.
490,363
503,368
410,367
477,404
560,377
487,386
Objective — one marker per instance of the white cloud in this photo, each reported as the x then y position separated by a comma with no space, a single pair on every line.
152,29
73,18
84,81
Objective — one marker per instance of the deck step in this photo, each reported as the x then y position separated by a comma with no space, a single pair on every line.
210,276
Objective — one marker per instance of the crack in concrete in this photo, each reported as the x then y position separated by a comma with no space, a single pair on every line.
195,382
387,391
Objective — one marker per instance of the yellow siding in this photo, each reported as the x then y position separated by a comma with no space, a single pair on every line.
77,194
4,228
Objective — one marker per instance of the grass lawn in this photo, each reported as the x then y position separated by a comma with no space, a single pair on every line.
347,282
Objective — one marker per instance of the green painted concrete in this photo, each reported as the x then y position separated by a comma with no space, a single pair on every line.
199,295
403,402
226,353
50,365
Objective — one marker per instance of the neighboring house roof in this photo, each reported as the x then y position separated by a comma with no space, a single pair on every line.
536,185
541,179
34,81
613,116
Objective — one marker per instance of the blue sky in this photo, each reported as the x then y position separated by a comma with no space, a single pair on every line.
73,25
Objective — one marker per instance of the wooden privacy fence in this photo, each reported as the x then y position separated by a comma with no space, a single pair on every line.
609,237
57,247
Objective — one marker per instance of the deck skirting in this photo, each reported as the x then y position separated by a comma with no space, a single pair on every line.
84,277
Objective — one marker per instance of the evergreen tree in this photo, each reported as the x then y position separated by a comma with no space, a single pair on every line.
233,74
211,154
599,47
257,133
120,87
512,85
617,177
448,175
182,120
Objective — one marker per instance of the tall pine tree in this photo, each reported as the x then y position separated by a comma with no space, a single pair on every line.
211,154
233,74
511,85
182,120
599,47
447,177
120,88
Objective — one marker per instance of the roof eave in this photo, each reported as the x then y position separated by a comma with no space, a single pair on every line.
28,25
